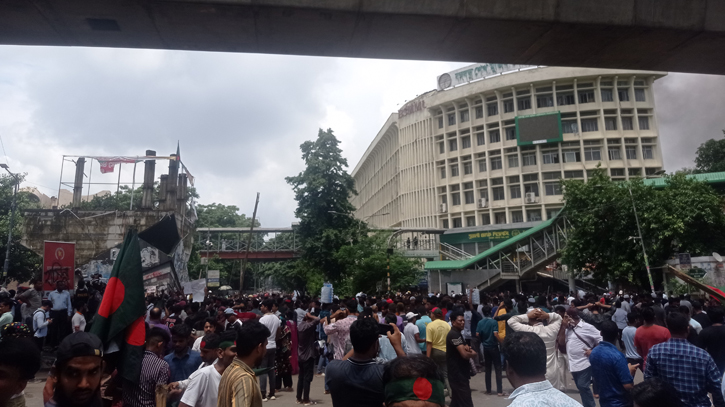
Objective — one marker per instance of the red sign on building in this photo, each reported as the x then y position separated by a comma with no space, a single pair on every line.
58,264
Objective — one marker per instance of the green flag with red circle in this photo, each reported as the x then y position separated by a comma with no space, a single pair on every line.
121,315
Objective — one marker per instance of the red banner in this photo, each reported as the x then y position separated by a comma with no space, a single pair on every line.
58,264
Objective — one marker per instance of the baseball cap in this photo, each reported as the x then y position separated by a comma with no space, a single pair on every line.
411,315
229,311
79,344
437,311
210,341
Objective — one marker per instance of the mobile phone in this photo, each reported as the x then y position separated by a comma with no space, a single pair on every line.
383,329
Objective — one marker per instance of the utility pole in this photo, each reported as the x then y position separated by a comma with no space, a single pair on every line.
249,245
639,232
6,265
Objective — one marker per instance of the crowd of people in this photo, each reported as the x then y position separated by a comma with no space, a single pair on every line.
399,350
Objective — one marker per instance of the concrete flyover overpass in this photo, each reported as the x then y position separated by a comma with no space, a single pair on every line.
662,35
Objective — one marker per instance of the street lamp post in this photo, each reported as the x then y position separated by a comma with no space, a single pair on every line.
639,232
6,265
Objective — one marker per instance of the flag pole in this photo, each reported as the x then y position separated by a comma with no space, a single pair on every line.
249,245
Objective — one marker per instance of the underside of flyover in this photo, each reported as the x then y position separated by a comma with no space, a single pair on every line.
662,35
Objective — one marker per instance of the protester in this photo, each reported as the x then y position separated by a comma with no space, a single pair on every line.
203,385
272,322
700,316
32,299
19,361
688,369
712,338
306,356
77,372
413,381
457,355
649,334
210,326
358,380
412,334
655,393
579,338
231,320
238,386
610,369
41,322
154,370
60,312
78,322
534,321
487,334
633,357
526,371
422,324
338,331
435,337
6,311
182,361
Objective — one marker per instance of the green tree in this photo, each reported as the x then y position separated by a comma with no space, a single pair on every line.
24,264
323,192
685,216
711,156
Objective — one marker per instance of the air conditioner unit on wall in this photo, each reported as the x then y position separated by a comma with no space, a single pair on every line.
444,208
531,198
482,203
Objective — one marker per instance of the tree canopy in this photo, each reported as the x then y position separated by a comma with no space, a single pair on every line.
24,264
685,216
711,156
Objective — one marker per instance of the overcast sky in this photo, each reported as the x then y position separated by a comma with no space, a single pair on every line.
240,118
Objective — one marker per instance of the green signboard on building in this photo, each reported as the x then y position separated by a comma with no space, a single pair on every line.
496,236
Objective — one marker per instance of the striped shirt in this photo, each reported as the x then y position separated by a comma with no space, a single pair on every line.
239,387
154,370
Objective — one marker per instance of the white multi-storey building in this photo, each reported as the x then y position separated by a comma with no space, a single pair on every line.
450,158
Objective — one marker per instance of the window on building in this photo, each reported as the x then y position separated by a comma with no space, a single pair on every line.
616,172
623,94
498,193
508,106
464,116
470,221
444,223
533,216
466,142
451,119
550,157
496,163
544,101
492,108
467,168
517,216
635,172
550,213
639,95
590,125
483,193
648,153
586,96
565,98
552,188
573,174
454,170
515,191
480,139
631,152
610,123
444,197
592,154
572,156
615,152
607,95
531,177
440,122
627,123
569,126
485,219
528,159
513,160
482,165
500,217
494,136
452,145
497,181
524,103
469,197
443,172
651,171
457,223
456,198
442,148
532,188
510,133
643,122
551,175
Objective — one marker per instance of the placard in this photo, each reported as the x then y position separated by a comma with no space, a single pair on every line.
58,264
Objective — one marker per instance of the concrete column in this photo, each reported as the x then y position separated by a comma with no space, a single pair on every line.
171,183
518,285
163,181
572,284
147,200
78,183
181,193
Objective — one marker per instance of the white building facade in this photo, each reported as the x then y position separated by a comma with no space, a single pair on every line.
450,158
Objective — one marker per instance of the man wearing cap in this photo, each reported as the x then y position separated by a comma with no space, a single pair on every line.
232,322
203,386
412,334
77,372
154,370
435,339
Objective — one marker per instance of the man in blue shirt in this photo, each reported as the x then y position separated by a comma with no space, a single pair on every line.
182,361
421,323
487,333
610,369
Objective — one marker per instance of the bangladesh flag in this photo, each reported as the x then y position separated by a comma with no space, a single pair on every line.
121,315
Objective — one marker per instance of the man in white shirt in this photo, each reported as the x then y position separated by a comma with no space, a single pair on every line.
78,322
579,338
412,334
272,322
60,312
232,321
532,322
203,385
41,322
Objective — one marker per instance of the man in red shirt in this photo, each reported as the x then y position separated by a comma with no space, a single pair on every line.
649,334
